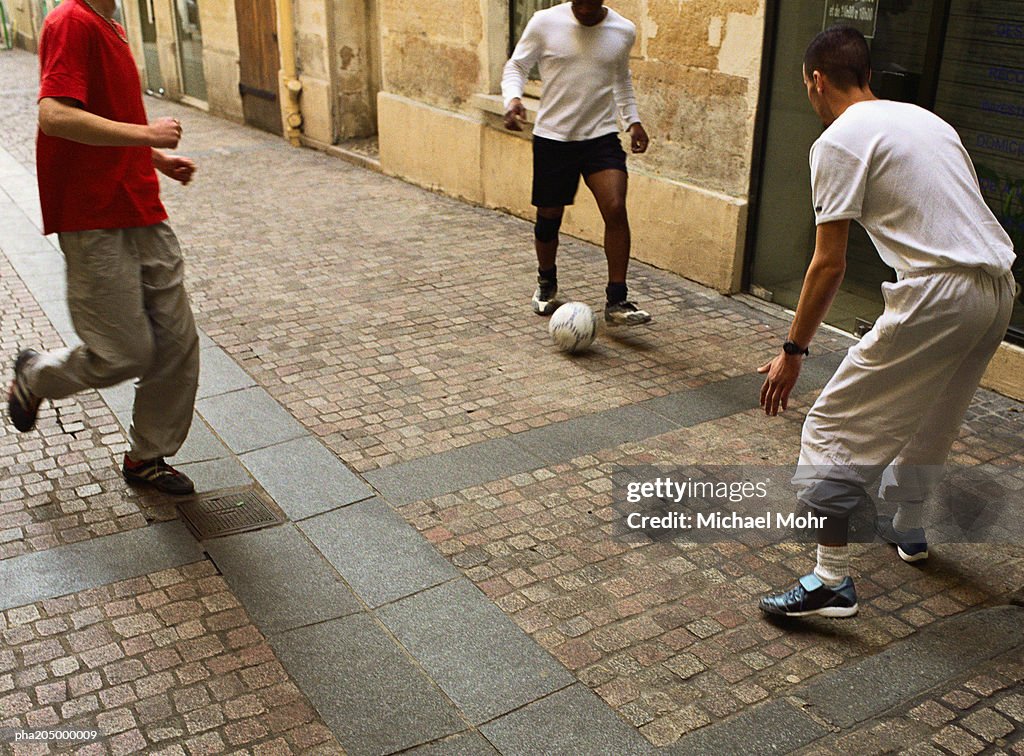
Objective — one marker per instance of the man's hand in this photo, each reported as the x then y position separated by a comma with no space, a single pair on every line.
782,374
515,116
638,137
175,167
165,132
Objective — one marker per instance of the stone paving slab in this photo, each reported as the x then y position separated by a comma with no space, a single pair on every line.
774,727
79,566
202,445
560,442
426,477
282,581
466,744
304,478
219,374
570,722
249,419
481,660
371,695
119,397
979,712
945,651
376,551
217,474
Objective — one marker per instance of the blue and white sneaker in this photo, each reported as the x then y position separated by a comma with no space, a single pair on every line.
911,545
811,596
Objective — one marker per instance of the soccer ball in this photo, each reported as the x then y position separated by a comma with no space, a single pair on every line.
573,327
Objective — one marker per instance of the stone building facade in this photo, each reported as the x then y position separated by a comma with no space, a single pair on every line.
423,79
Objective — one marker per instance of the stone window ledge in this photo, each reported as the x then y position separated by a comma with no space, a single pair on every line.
494,105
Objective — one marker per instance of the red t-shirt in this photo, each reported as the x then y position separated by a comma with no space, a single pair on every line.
83,187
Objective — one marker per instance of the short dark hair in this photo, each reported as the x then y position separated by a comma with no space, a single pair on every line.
841,53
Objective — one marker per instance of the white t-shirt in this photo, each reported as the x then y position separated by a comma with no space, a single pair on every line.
904,175
584,71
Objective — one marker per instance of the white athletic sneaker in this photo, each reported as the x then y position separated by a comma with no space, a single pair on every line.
545,299
625,313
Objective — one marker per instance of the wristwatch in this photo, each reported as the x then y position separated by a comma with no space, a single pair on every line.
791,347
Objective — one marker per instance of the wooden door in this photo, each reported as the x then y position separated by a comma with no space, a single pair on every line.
259,61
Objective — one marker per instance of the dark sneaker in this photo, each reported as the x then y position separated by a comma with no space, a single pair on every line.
159,475
22,404
811,596
911,545
545,299
625,313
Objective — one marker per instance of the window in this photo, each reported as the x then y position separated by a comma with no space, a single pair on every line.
519,13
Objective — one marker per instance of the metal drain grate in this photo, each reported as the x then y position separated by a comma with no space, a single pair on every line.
228,513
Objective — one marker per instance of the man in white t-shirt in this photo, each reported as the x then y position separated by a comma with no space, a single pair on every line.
894,407
582,50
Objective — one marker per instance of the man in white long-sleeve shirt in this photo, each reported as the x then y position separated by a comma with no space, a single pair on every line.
582,50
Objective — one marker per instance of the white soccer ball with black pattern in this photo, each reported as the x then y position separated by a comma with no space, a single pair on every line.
573,327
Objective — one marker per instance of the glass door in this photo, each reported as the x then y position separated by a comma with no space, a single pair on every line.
190,48
151,57
902,36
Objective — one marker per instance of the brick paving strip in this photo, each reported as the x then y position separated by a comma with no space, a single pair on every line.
404,649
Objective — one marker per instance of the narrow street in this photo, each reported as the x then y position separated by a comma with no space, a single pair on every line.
449,574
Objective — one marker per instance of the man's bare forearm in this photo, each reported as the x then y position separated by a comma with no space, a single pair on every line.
821,282
58,119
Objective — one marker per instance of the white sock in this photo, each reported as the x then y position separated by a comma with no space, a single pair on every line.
909,516
833,564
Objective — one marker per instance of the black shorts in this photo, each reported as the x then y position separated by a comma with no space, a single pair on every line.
557,166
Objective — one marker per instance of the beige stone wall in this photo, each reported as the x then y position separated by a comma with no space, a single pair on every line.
355,67
313,51
697,73
676,226
430,50
220,57
696,68
1005,370
26,20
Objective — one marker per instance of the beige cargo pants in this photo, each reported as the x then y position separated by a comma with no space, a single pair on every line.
894,407
127,300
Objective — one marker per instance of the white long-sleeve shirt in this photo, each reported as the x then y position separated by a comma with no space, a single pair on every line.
584,73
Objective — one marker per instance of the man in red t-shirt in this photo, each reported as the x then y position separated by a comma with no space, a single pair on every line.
97,160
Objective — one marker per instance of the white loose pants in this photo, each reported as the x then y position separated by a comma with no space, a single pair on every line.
127,299
894,407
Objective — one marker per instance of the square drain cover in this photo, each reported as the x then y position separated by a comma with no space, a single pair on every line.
227,513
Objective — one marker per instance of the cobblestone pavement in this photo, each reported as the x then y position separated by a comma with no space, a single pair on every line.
393,324
165,663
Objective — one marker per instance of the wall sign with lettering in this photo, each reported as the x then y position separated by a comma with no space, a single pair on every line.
860,14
